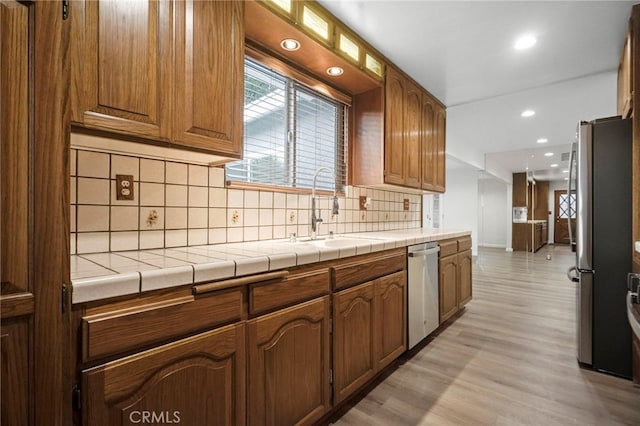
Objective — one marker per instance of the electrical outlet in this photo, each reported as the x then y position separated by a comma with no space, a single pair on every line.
124,187
406,204
363,202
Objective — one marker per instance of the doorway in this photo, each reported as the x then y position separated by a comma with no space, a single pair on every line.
564,208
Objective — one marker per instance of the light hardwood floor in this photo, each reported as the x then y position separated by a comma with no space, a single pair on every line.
509,359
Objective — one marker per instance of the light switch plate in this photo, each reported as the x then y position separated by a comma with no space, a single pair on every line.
406,204
124,187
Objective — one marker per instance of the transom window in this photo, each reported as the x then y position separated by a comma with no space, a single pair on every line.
567,207
290,131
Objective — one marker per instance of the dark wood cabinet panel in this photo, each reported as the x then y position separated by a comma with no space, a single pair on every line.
156,322
170,71
14,150
14,372
199,380
412,141
448,286
209,75
124,77
455,276
367,268
625,79
429,144
440,130
464,278
394,128
353,339
289,361
391,313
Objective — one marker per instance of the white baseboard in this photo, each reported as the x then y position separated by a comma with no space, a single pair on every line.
509,249
491,245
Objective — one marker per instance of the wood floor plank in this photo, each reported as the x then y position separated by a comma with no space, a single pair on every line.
509,359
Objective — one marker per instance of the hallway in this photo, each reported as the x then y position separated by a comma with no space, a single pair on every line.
509,359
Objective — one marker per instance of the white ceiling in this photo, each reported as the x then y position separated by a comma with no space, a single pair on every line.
462,52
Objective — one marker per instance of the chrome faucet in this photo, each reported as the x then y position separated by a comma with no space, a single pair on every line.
316,220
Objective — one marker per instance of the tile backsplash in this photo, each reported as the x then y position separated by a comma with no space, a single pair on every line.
180,204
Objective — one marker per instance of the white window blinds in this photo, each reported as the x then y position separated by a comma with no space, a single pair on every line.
289,132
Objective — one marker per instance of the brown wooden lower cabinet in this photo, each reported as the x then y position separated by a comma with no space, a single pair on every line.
14,369
455,277
199,380
391,317
276,364
448,278
464,278
289,362
354,338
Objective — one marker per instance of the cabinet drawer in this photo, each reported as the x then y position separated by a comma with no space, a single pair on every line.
357,272
127,329
464,244
449,247
296,288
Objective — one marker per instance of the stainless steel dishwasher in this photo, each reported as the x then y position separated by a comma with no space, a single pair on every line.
423,306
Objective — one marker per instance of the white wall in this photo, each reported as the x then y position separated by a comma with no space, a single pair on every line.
554,186
460,202
493,209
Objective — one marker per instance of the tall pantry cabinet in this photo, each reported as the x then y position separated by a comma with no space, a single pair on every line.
34,225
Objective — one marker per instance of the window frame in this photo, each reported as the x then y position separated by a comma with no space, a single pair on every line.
312,84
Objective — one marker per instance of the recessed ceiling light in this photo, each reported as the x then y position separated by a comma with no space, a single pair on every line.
566,178
553,165
333,71
542,140
548,154
525,42
528,113
565,171
290,44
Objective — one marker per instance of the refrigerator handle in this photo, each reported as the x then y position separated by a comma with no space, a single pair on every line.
573,277
571,155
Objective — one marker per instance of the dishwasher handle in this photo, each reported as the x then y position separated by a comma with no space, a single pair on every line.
421,253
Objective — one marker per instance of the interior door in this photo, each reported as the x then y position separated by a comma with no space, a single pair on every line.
564,206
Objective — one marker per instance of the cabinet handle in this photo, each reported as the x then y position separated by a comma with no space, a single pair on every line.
236,282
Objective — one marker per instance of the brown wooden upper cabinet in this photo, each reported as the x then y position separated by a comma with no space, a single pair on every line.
625,79
162,70
399,136
414,135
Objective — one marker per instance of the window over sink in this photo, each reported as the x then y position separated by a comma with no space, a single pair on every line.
290,130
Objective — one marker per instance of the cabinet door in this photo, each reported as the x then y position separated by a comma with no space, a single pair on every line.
16,35
625,79
394,128
288,375
195,381
464,278
412,140
429,148
209,76
440,149
121,58
353,339
14,371
448,284
391,317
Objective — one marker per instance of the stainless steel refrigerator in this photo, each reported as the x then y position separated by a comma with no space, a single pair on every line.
600,174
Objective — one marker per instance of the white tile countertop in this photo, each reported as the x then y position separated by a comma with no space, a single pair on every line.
102,275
